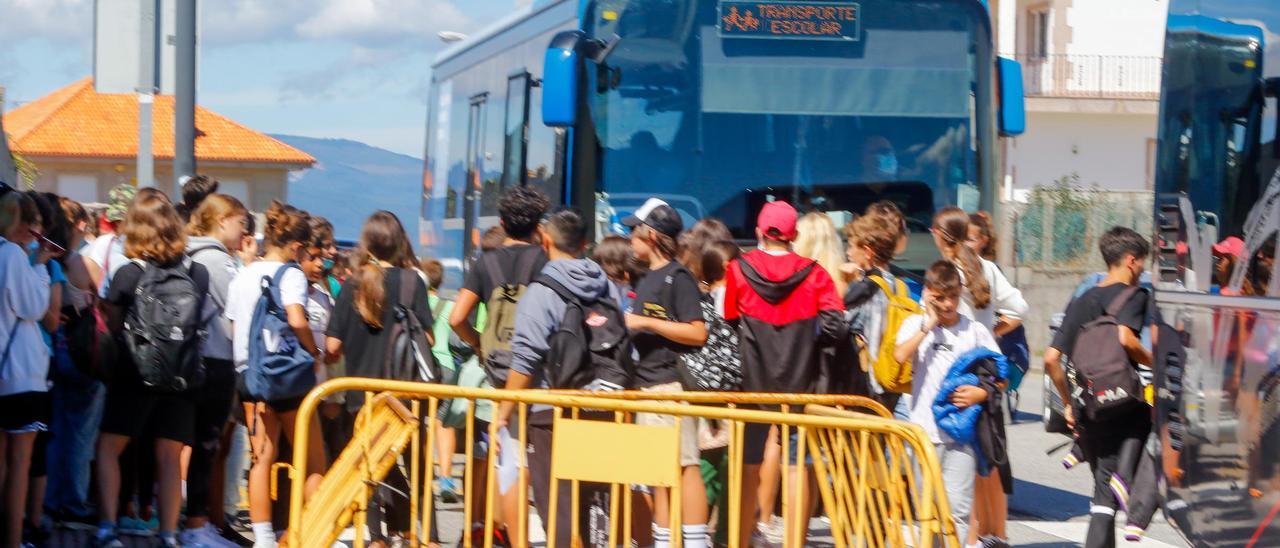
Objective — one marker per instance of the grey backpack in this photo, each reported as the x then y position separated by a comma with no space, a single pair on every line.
164,328
1105,372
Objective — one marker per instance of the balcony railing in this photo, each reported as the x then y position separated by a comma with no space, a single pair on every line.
1091,76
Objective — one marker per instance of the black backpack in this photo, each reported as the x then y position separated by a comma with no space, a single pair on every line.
409,356
717,366
590,345
89,342
163,329
1104,370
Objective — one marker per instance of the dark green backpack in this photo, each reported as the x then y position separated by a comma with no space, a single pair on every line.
500,325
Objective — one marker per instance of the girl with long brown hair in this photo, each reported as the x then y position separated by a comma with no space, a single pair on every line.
982,235
153,239
986,290
989,299
360,329
285,238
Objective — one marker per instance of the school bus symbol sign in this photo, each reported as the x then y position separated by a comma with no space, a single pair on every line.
840,21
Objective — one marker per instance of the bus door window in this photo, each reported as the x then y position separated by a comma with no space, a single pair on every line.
475,172
545,151
516,131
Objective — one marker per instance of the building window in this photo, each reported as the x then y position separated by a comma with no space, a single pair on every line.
236,188
1038,33
81,188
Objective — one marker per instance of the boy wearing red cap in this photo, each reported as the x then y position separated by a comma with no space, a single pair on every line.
787,309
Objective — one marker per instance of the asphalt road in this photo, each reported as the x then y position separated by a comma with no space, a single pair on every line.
1050,504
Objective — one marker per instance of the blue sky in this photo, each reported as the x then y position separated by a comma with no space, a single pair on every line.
355,69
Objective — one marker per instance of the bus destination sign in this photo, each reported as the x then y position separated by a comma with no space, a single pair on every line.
790,20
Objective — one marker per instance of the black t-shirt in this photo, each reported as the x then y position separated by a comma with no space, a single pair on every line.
1092,304
365,346
124,284
668,293
517,264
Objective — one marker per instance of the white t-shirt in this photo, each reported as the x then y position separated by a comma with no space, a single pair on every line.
107,249
937,352
1005,298
243,294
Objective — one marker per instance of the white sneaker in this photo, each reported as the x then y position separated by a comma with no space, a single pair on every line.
204,537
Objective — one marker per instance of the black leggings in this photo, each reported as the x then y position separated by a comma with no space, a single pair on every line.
1111,447
390,502
390,505
213,411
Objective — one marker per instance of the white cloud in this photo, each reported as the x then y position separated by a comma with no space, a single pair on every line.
382,20
381,34
52,19
363,22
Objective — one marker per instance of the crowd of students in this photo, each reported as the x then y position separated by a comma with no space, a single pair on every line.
153,342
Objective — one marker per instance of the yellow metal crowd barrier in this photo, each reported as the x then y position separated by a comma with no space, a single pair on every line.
878,479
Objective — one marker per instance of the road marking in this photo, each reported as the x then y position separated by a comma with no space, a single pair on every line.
1076,531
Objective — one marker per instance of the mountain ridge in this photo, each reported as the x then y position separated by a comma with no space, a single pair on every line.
351,180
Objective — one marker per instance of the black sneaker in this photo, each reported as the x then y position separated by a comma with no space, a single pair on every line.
76,522
993,542
235,536
36,537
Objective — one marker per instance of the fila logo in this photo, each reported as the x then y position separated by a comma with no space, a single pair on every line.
1108,396
596,320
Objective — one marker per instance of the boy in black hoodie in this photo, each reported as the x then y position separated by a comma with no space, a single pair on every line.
786,308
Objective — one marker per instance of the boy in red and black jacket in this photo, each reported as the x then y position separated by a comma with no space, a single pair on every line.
787,310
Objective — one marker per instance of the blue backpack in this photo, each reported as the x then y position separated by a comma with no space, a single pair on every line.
1014,347
279,368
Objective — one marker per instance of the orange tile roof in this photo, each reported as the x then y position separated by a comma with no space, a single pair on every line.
78,122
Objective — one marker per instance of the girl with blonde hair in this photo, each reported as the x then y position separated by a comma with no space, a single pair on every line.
817,239
215,230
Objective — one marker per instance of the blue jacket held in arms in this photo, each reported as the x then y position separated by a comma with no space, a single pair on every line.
961,424
979,426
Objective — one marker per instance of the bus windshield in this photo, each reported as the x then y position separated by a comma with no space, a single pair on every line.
1217,179
723,105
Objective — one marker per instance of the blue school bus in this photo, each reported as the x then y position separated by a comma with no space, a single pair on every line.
1217,212
718,106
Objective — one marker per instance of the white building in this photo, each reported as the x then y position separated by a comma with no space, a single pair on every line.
1092,70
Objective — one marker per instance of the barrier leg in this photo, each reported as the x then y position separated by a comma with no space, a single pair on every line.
415,486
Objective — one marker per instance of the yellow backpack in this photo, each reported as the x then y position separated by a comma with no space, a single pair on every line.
894,376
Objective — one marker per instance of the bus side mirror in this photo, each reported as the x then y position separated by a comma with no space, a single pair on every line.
560,79
1013,106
